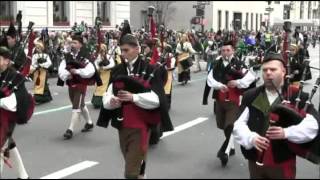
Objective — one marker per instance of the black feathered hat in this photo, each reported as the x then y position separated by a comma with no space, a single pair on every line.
12,32
125,29
227,43
273,56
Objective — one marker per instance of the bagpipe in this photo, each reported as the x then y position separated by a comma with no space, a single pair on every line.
11,82
7,84
234,72
79,62
140,82
291,112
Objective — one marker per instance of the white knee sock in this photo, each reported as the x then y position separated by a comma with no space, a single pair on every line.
75,119
17,163
86,115
232,141
1,164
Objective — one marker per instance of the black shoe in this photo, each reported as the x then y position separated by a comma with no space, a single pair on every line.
87,127
232,152
68,134
224,159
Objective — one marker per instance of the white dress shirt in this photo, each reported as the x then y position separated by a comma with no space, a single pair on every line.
86,72
109,66
9,103
35,63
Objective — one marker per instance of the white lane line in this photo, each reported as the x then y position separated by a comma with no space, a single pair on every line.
70,170
185,126
56,109
88,102
87,164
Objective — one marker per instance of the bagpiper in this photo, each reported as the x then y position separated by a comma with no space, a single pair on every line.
16,107
78,72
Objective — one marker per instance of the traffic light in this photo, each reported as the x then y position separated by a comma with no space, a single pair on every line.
196,20
199,12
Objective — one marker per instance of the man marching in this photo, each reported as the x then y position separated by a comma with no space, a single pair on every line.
16,106
134,106
228,78
78,72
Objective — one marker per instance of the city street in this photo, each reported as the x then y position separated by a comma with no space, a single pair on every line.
188,152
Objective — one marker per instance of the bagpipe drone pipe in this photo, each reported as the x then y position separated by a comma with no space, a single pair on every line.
293,109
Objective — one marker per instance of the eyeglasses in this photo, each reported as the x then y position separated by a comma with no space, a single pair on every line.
124,50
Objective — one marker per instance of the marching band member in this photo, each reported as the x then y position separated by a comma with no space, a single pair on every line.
228,78
184,51
104,63
78,72
133,114
257,136
16,106
39,69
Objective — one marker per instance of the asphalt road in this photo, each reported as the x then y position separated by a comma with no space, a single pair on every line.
189,152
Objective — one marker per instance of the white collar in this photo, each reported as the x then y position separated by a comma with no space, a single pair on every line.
227,60
133,61
271,95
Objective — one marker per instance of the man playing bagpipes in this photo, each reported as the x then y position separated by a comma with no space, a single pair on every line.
78,72
134,102
18,54
104,63
229,77
39,71
269,132
184,61
16,106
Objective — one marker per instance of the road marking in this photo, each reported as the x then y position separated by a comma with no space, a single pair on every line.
70,170
88,102
88,164
56,109
185,126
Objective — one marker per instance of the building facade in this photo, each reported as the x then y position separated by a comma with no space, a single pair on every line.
218,14
63,14
303,14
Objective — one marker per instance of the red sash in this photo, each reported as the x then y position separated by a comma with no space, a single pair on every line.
232,95
136,117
